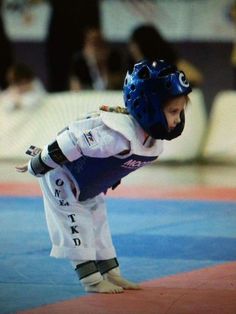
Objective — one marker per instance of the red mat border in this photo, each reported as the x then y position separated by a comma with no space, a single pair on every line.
182,193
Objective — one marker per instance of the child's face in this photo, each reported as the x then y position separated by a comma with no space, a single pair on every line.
173,109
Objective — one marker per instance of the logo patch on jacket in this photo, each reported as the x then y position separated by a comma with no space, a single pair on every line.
90,140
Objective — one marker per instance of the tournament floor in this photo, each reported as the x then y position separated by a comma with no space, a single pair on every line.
174,230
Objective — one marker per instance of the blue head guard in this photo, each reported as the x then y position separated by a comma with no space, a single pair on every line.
147,89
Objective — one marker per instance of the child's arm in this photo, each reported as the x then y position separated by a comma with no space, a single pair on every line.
99,142
51,156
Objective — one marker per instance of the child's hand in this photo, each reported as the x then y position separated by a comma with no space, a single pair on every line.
22,168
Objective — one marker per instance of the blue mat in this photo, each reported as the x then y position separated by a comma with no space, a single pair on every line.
154,238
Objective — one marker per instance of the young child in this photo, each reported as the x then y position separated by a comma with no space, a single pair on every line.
92,155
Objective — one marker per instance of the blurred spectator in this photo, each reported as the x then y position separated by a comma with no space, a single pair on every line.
5,52
24,90
147,43
96,66
67,22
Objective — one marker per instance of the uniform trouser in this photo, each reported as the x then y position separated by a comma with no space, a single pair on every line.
78,230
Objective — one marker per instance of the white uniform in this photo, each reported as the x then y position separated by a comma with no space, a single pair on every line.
76,214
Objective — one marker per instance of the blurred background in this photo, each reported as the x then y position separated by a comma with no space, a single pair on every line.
47,34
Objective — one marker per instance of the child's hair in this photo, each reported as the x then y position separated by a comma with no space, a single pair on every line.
187,100
19,72
116,109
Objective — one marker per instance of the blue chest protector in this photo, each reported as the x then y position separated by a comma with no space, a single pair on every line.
96,175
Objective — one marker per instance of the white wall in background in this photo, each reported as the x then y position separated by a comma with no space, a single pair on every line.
177,19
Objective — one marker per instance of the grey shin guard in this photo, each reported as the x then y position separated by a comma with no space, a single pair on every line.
88,273
107,265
